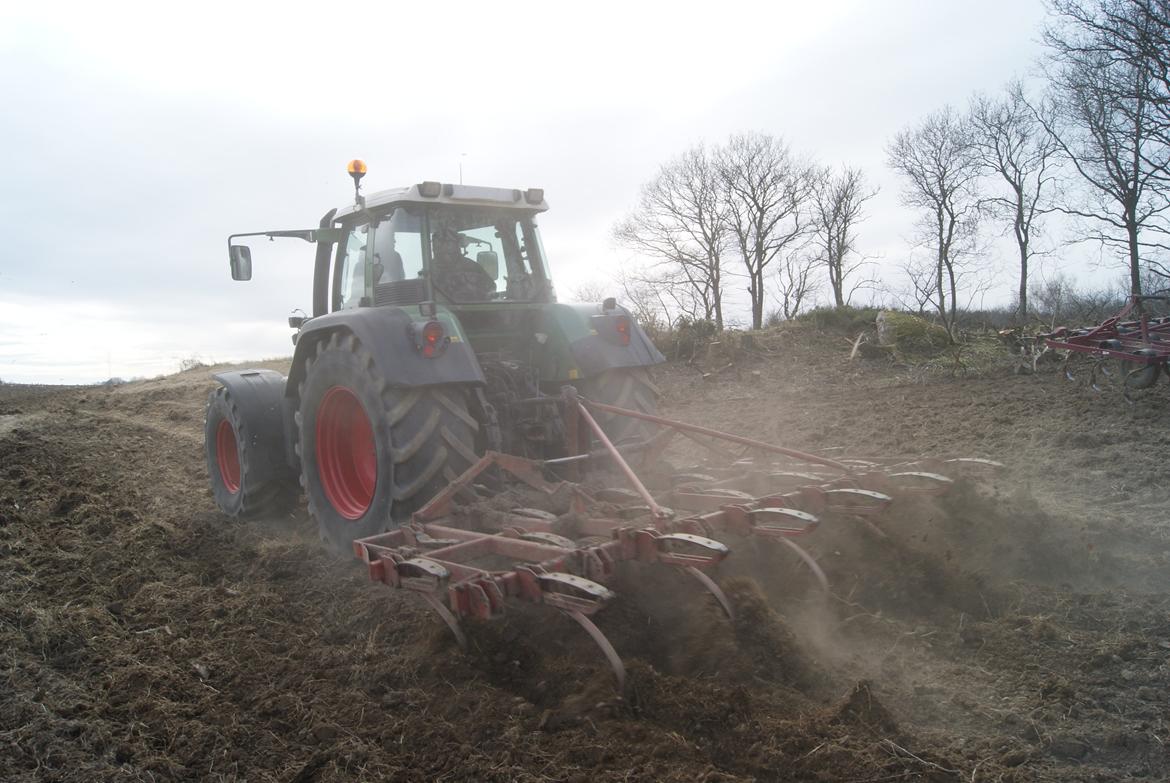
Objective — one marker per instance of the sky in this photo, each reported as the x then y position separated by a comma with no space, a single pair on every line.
136,137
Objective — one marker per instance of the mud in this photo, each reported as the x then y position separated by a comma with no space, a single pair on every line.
1017,630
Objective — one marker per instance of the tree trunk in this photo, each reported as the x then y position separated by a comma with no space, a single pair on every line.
953,320
835,280
717,290
756,289
1135,262
1023,310
1022,242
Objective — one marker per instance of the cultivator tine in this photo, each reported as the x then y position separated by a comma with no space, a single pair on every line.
967,466
859,502
916,482
782,522
611,655
809,561
714,589
578,598
1093,376
450,619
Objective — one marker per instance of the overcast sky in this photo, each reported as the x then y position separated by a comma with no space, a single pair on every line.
135,138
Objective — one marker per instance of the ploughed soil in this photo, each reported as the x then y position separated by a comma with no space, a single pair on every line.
1015,629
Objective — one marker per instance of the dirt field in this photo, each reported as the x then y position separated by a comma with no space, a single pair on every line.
1014,631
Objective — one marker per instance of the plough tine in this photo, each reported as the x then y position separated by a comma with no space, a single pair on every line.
917,482
586,598
714,589
861,502
973,466
449,618
810,561
1093,377
611,655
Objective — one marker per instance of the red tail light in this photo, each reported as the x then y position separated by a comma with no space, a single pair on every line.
430,338
622,324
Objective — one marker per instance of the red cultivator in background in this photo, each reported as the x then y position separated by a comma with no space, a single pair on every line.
467,559
1135,351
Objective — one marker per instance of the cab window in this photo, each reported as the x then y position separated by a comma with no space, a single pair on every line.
350,276
480,255
398,247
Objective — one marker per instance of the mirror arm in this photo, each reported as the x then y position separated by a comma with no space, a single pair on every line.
308,235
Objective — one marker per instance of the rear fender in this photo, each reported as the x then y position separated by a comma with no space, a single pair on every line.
260,397
593,352
385,333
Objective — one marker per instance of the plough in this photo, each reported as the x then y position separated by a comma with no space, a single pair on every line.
468,558
1141,347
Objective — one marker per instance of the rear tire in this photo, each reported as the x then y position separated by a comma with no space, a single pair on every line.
234,464
372,454
624,387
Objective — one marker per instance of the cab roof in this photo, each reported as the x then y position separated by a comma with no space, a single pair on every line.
531,200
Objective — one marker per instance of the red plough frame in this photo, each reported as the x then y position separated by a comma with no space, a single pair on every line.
468,561
1142,345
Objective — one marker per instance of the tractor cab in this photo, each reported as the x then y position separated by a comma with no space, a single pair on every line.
451,244
463,267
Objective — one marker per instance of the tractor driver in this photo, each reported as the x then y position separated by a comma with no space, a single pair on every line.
456,275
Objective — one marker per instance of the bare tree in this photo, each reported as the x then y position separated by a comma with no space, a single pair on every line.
643,297
940,169
1011,144
1135,31
670,290
1108,88
766,190
795,284
838,199
680,221
922,280
591,291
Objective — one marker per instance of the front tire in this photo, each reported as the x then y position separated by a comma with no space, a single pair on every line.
371,453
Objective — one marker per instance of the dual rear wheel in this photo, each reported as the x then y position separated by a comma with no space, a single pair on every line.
249,475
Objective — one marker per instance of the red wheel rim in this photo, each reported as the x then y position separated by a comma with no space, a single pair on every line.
347,461
227,456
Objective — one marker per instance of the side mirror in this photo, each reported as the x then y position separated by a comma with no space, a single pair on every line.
240,258
489,261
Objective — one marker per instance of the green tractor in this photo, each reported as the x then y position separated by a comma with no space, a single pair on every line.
435,336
